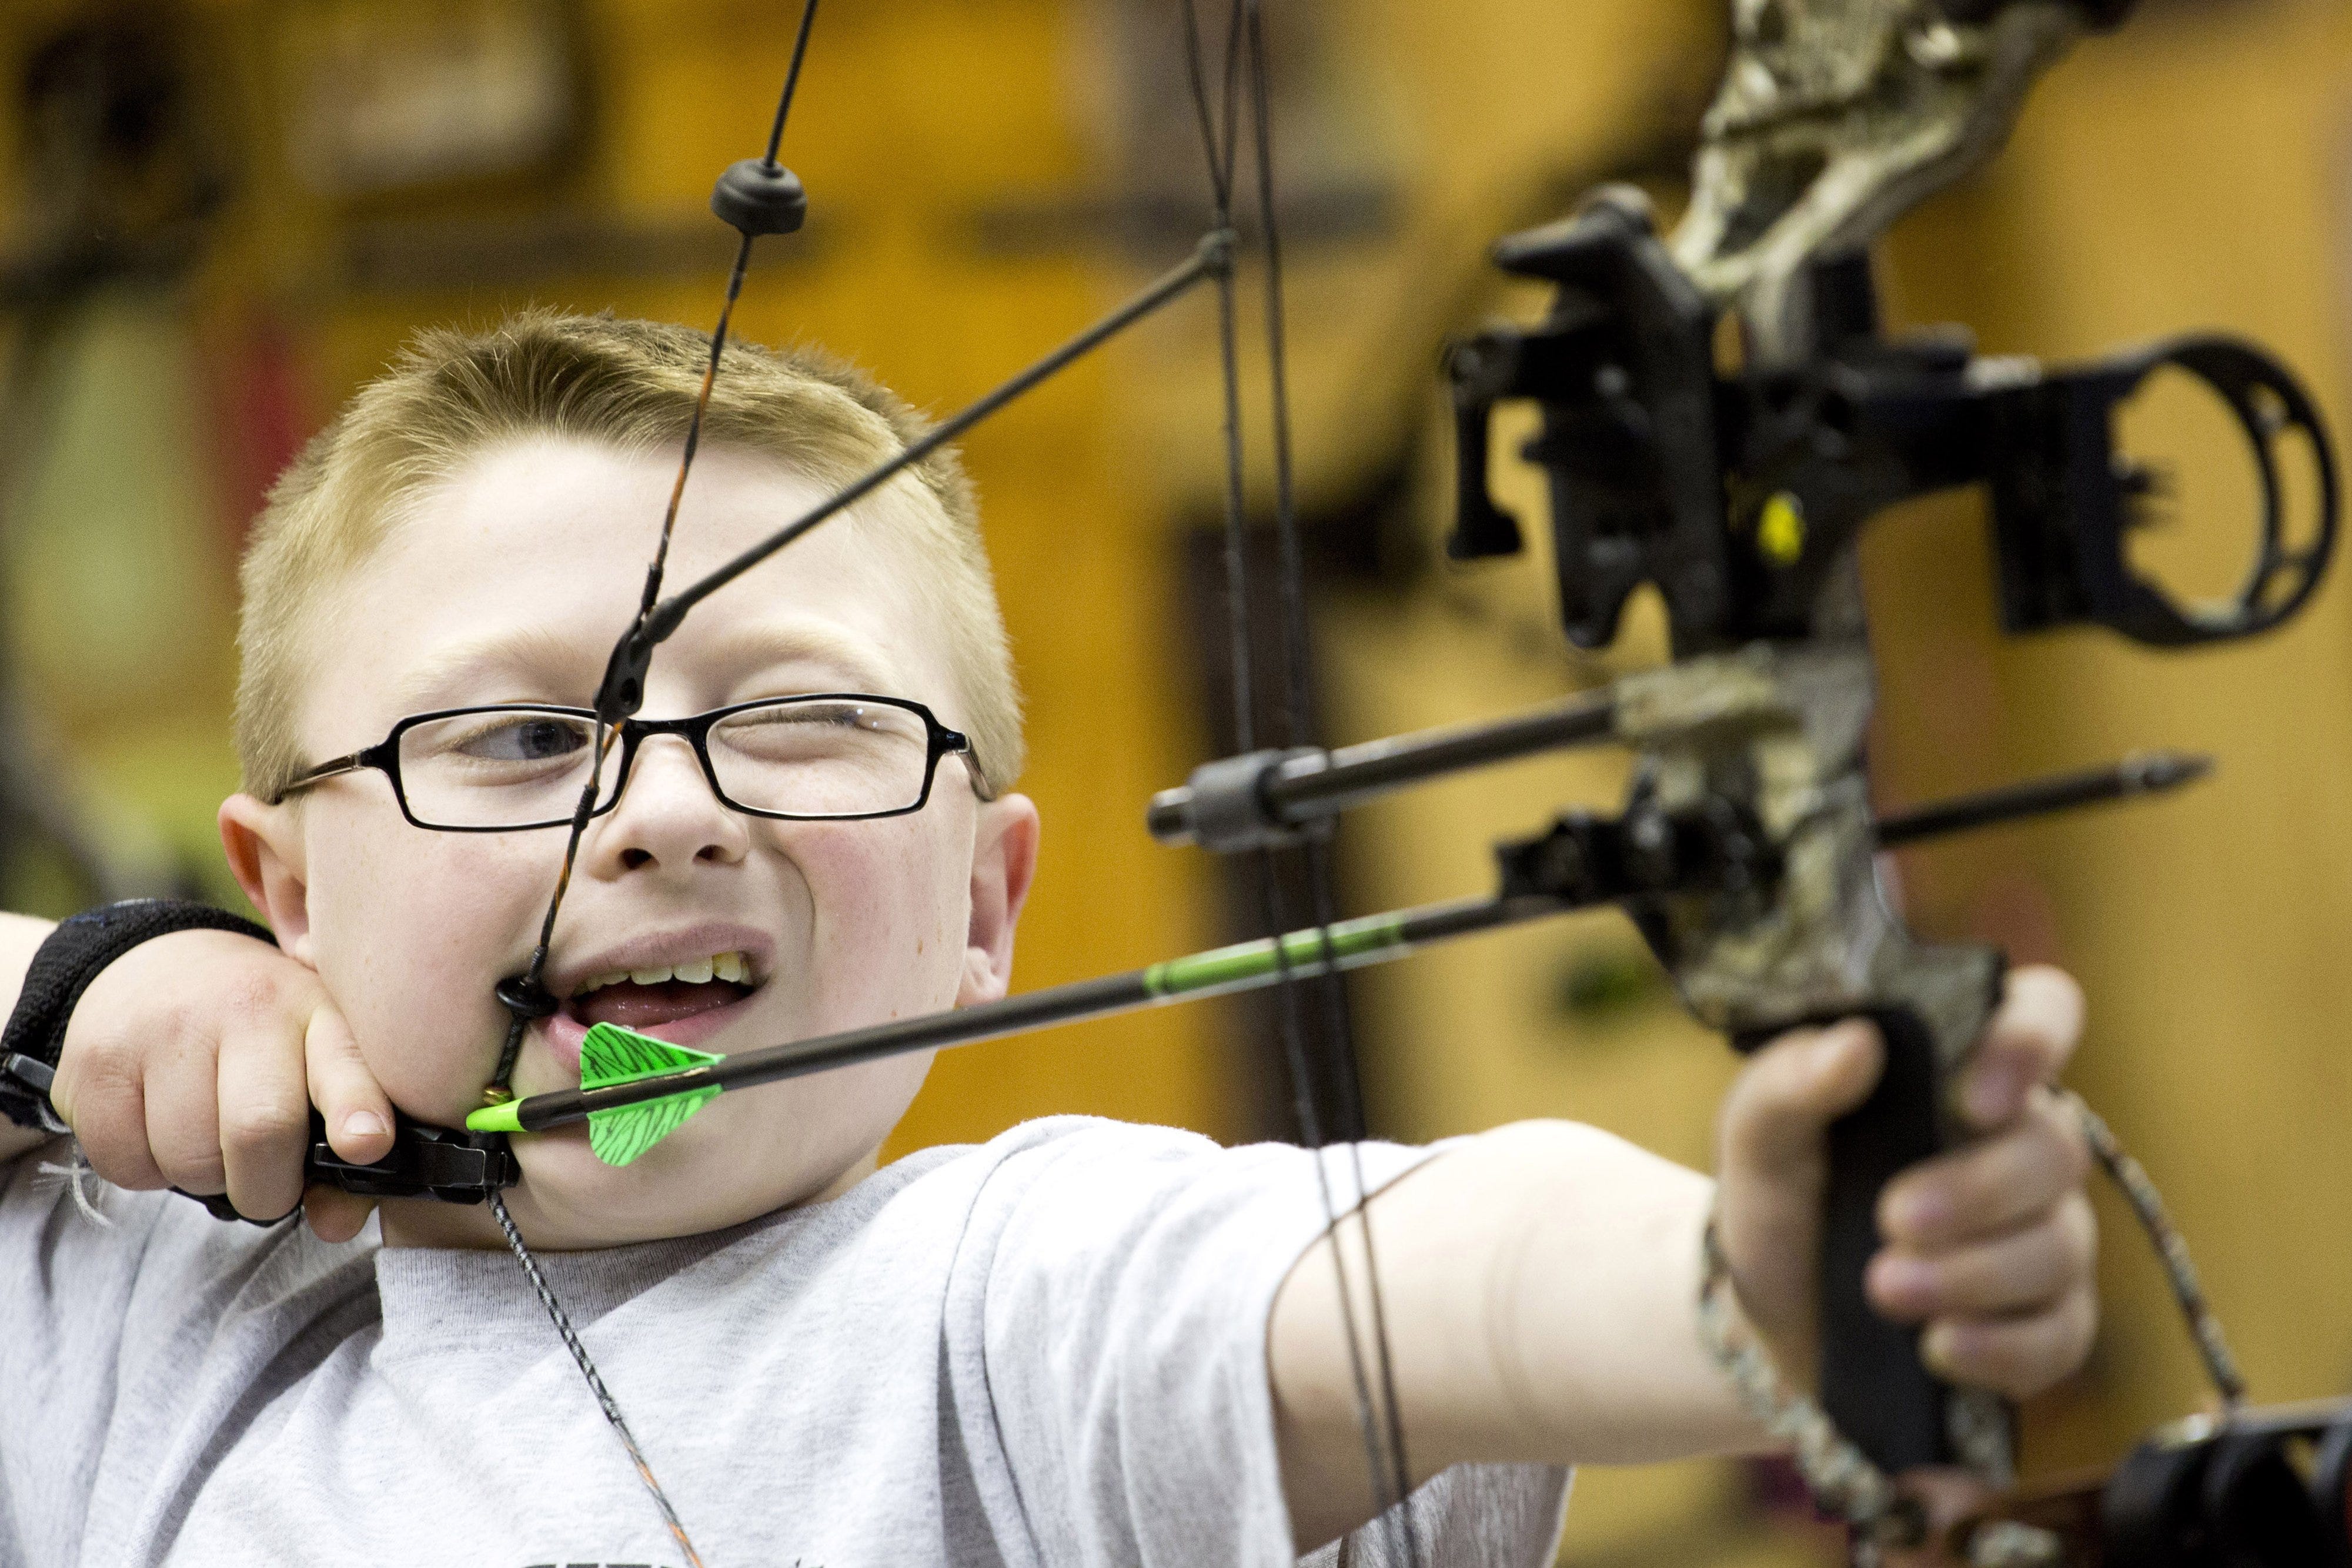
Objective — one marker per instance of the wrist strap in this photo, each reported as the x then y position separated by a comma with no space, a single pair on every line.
68,961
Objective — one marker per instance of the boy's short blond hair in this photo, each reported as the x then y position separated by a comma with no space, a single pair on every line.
630,384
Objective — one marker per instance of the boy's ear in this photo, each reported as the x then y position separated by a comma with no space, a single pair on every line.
264,850
1003,862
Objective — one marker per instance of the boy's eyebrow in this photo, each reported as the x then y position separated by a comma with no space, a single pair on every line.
756,645
554,659
540,653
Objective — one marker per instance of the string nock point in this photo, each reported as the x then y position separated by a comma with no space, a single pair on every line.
495,1094
525,997
756,197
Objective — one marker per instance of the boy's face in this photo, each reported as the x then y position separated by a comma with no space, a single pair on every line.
508,583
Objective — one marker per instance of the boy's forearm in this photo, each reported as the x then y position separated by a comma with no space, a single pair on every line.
1540,1285
20,938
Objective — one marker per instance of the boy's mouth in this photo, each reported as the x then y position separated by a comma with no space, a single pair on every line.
679,1002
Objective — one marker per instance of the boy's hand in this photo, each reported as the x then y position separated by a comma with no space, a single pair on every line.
1989,1244
192,1062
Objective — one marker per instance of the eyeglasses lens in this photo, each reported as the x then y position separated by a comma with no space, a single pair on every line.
496,768
822,758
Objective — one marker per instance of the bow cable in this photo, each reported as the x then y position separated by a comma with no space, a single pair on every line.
1243,53
1338,1018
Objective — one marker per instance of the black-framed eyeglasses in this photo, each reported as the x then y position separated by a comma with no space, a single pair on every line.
825,757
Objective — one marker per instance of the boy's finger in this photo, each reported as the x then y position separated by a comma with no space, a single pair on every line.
357,1112
2023,1271
334,1215
2019,1356
1791,1091
1989,1187
104,1100
265,1120
2029,1041
182,1101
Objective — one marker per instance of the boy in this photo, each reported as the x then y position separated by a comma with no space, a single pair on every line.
1083,1342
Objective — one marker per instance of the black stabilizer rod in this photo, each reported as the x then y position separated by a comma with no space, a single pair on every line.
2142,773
1269,798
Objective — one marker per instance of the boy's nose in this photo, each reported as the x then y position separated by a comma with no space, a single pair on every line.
668,813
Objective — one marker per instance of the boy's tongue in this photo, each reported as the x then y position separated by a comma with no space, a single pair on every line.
633,1005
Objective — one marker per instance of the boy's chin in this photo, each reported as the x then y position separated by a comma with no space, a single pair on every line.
690,1182
738,1157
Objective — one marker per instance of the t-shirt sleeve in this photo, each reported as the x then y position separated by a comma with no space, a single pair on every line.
1107,1338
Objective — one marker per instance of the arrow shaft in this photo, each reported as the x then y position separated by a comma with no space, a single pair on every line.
1246,965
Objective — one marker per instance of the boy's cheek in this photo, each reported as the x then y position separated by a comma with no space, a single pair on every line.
410,944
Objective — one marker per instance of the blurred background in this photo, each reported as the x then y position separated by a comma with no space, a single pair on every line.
217,218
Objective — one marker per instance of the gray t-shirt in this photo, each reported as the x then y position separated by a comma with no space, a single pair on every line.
1046,1350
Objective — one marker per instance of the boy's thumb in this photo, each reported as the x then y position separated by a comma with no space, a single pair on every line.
1789,1093
358,1113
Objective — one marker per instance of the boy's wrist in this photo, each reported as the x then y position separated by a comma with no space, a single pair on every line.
68,959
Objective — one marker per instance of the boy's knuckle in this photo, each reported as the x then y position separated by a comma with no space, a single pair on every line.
2082,1324
178,1016
109,1073
250,995
195,1171
2078,1230
260,1125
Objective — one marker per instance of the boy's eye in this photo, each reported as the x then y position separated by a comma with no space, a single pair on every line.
496,740
819,729
534,739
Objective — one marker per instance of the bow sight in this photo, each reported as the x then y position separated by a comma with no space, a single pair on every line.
1739,497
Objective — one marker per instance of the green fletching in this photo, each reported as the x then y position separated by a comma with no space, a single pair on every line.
612,1054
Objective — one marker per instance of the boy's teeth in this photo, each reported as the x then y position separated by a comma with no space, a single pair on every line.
728,966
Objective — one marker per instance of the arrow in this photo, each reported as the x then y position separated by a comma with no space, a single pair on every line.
640,1089
634,1090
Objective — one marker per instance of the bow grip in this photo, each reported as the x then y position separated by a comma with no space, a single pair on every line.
1872,1383
425,1161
